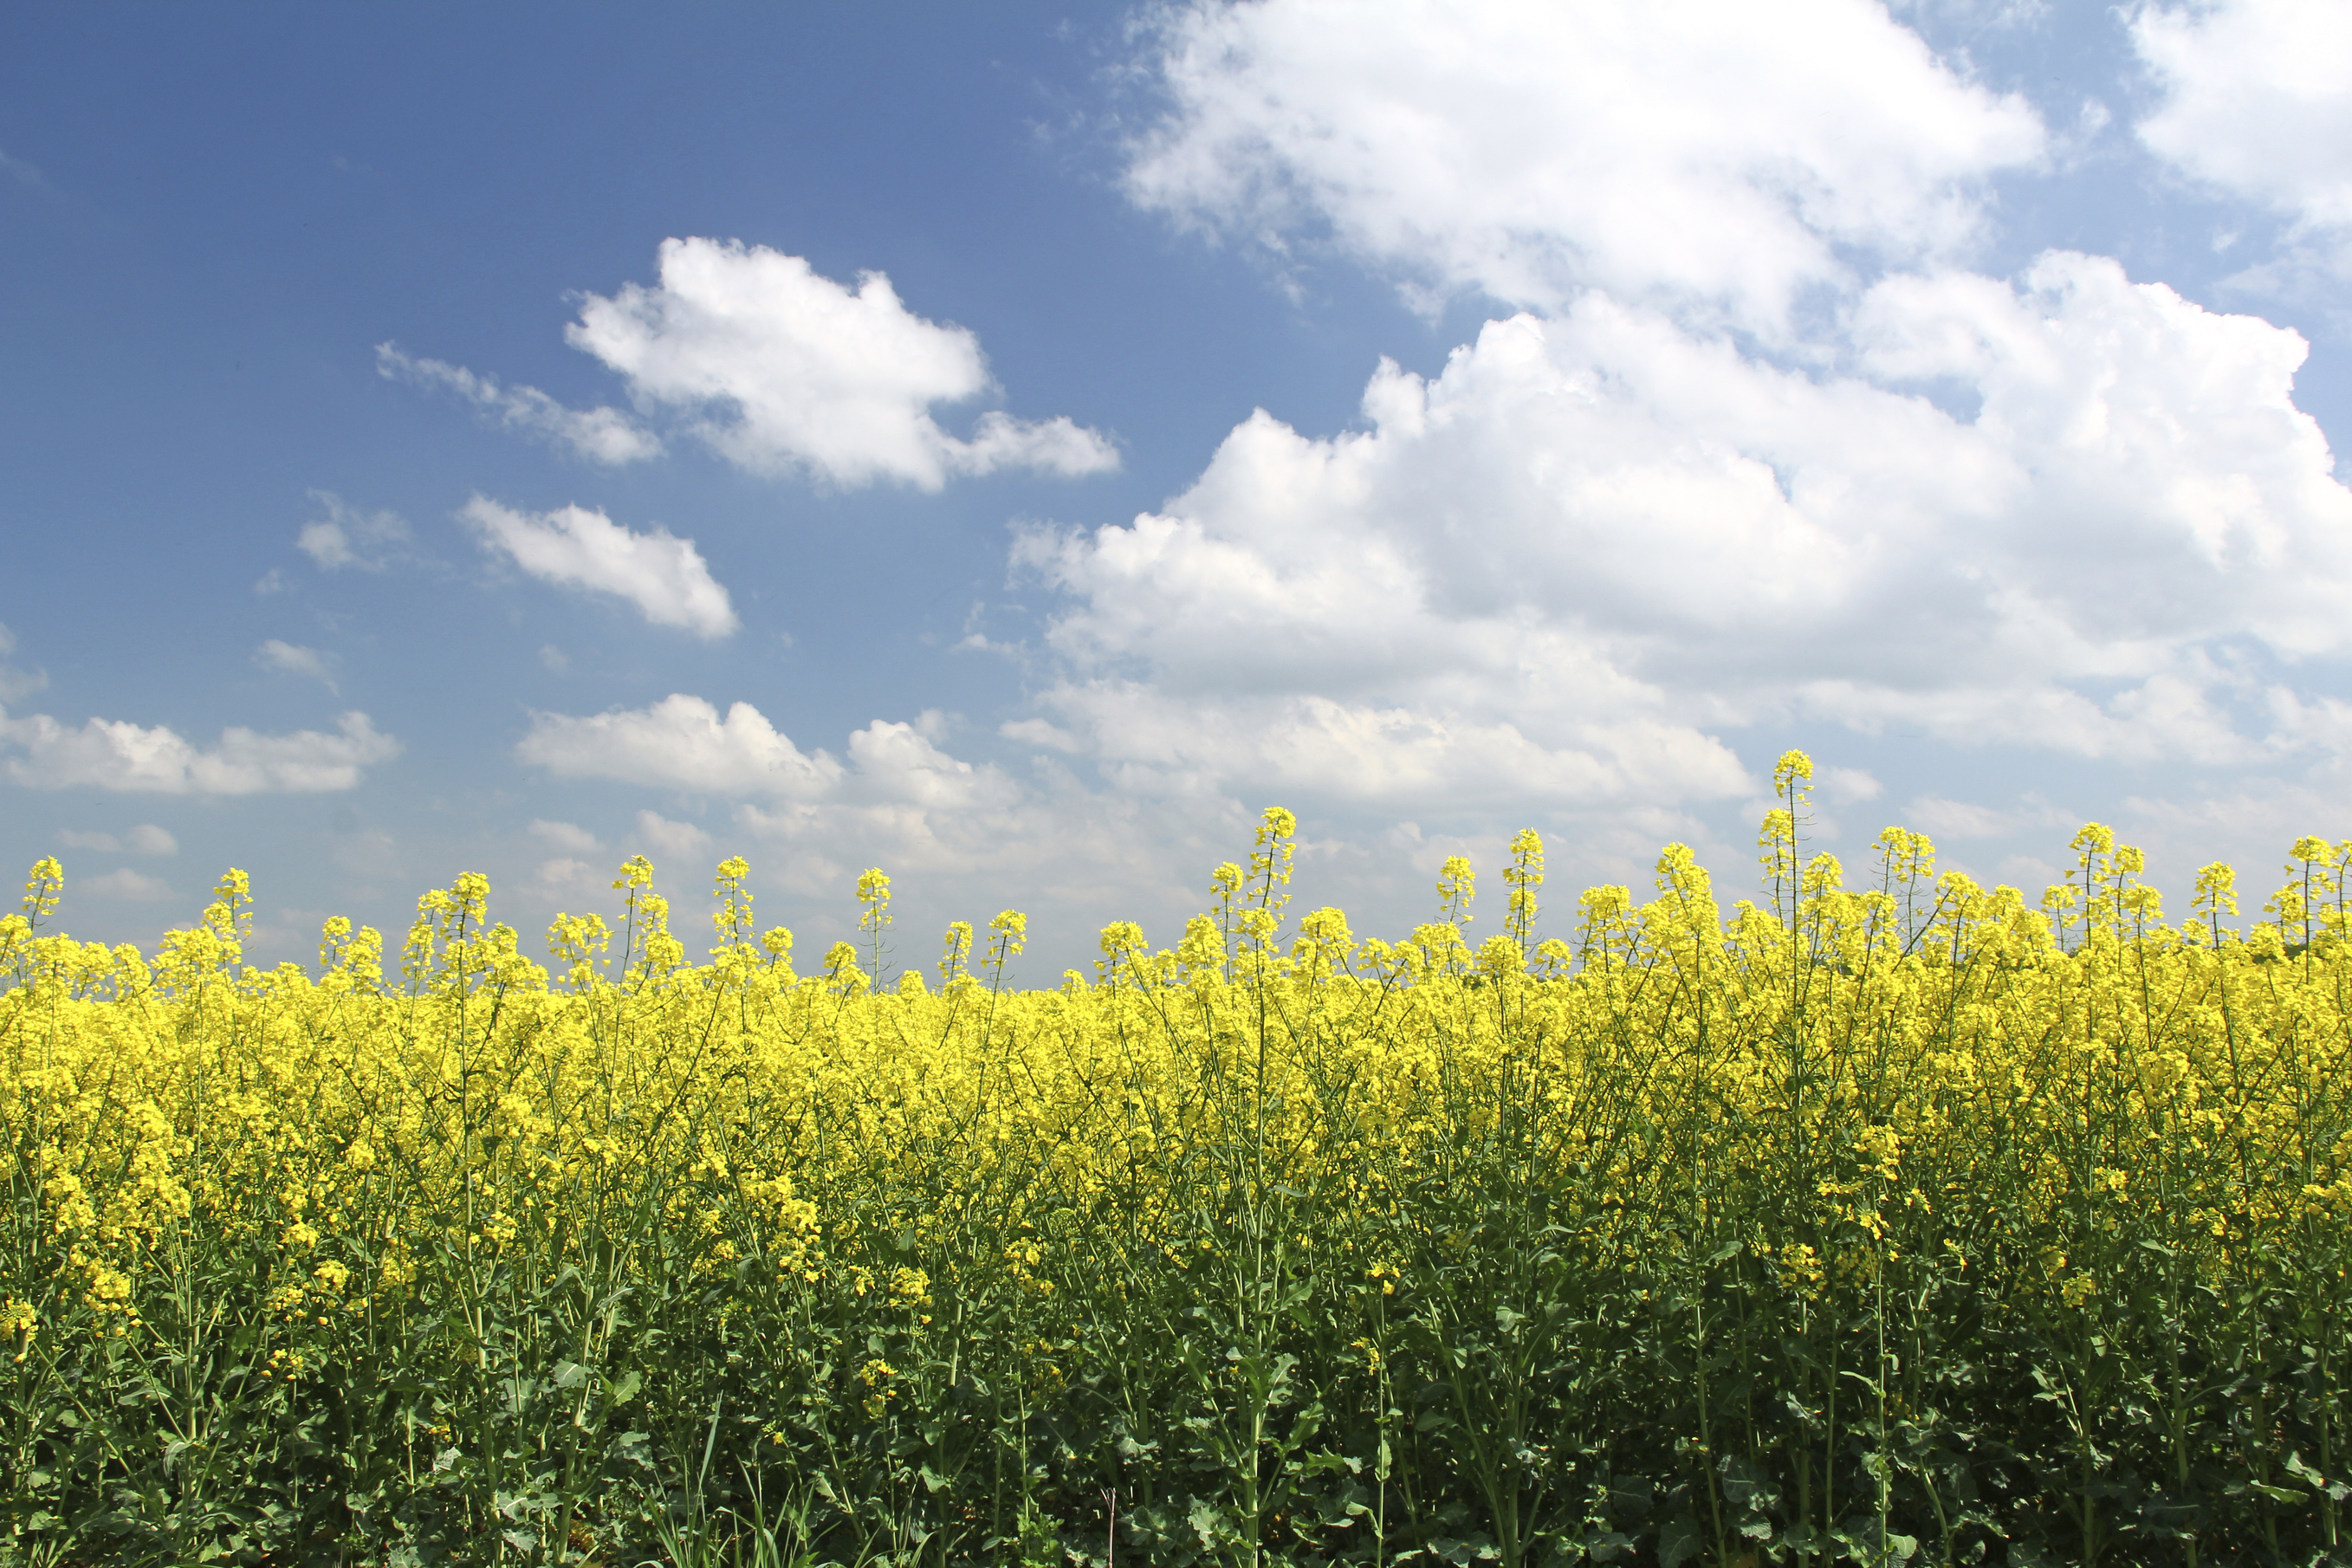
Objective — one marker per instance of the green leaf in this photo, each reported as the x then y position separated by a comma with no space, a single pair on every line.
1678,1542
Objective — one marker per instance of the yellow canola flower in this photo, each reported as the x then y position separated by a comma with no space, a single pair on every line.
1851,1079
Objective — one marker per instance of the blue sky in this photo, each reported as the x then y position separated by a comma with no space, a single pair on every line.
1066,432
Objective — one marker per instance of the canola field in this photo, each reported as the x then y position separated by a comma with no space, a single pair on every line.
1880,1218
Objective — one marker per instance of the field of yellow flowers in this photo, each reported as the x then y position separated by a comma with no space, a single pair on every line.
1915,1221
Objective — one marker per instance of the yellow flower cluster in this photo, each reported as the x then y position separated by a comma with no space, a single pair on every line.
1272,1170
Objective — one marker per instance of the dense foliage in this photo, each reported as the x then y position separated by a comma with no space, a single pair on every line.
1914,1222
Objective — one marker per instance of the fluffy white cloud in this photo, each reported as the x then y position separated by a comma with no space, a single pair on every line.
292,659
1552,572
144,839
898,799
348,536
1706,153
1849,787
898,763
566,877
126,886
600,435
965,838
2257,99
668,840
680,742
664,575
112,754
1467,755
786,370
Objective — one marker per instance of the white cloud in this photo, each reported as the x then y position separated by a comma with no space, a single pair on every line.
785,369
2256,102
1466,754
347,536
144,839
112,754
20,171
291,658
680,742
965,838
1705,153
899,799
2247,819
564,835
1851,786
898,763
664,575
1552,572
600,435
1761,453
670,840
16,685
2257,99
126,886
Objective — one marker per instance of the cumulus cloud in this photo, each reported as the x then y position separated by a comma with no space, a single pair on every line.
1703,152
670,840
965,836
126,886
566,876
2256,99
113,754
349,536
1553,570
898,762
961,837
783,370
680,742
664,575
1380,754
1851,786
292,659
144,839
600,435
